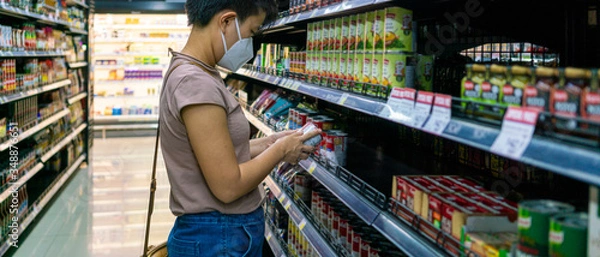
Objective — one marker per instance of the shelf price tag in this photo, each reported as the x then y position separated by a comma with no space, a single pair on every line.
517,130
343,98
296,85
287,205
440,115
312,167
269,236
302,224
281,198
400,106
422,108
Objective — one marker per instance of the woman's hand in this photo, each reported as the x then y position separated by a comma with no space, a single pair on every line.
293,146
274,137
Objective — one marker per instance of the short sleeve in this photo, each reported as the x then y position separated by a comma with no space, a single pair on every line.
197,89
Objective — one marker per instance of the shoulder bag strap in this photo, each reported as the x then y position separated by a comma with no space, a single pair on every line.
155,160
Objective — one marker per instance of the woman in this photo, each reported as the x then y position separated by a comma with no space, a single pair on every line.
215,171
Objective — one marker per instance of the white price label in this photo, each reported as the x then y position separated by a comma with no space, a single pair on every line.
302,224
440,115
312,168
517,130
400,105
287,205
422,108
296,85
343,98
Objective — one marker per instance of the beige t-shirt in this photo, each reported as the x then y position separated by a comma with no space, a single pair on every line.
188,85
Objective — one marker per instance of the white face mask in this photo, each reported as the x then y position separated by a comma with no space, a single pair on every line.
239,54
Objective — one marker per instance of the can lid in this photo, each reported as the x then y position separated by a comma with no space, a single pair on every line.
573,220
575,73
520,70
544,71
479,68
546,206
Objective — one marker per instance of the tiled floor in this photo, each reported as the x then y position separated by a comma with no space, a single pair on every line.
102,211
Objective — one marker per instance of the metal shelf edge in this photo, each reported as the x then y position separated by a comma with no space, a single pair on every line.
62,143
77,97
78,65
405,238
22,180
32,92
36,128
271,238
362,207
309,231
257,123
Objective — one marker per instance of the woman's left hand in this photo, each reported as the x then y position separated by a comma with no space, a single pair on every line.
274,137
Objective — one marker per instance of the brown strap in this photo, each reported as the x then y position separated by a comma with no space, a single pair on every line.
155,160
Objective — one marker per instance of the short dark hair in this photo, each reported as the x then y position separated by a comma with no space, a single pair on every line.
200,12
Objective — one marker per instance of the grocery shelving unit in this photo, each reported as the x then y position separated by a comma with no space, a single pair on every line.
564,155
34,176
123,45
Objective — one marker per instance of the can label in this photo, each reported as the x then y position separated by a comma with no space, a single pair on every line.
334,62
343,232
533,224
398,29
356,245
325,36
323,64
314,141
309,36
302,187
567,232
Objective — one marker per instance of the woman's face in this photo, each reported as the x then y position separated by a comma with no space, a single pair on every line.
248,28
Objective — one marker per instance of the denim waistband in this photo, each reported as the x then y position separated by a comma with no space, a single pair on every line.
216,217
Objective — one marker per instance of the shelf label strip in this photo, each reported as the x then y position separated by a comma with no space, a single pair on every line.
517,130
440,115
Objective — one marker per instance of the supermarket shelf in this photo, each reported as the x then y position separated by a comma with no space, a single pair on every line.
63,143
78,31
8,10
35,129
126,97
77,65
143,26
32,92
403,236
76,98
271,237
127,118
78,3
325,12
126,81
139,40
37,208
22,180
299,218
165,53
581,163
257,123
137,66
15,54
351,198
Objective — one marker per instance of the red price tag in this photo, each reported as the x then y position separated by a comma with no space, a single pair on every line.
400,106
422,108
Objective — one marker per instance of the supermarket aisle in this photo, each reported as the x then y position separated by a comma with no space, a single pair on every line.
102,210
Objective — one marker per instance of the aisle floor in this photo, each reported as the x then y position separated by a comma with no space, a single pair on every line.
102,211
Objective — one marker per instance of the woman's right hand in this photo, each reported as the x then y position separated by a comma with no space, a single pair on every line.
293,146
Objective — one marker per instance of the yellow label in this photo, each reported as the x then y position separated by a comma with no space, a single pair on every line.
398,29
313,166
281,198
302,224
287,206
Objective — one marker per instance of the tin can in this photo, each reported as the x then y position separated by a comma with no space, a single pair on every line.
336,147
314,141
568,235
370,31
379,30
302,116
343,231
356,241
365,245
325,212
398,29
325,65
534,219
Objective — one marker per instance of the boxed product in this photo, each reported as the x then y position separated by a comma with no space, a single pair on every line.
398,29
489,244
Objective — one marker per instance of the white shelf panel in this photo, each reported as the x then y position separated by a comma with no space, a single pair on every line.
76,98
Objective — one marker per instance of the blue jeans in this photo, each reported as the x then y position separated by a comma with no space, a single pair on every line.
214,234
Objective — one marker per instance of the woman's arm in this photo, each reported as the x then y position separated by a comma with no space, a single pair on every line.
257,146
207,130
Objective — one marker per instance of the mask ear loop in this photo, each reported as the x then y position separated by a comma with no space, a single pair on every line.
237,27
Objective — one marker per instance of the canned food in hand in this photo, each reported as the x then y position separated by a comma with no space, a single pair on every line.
314,141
